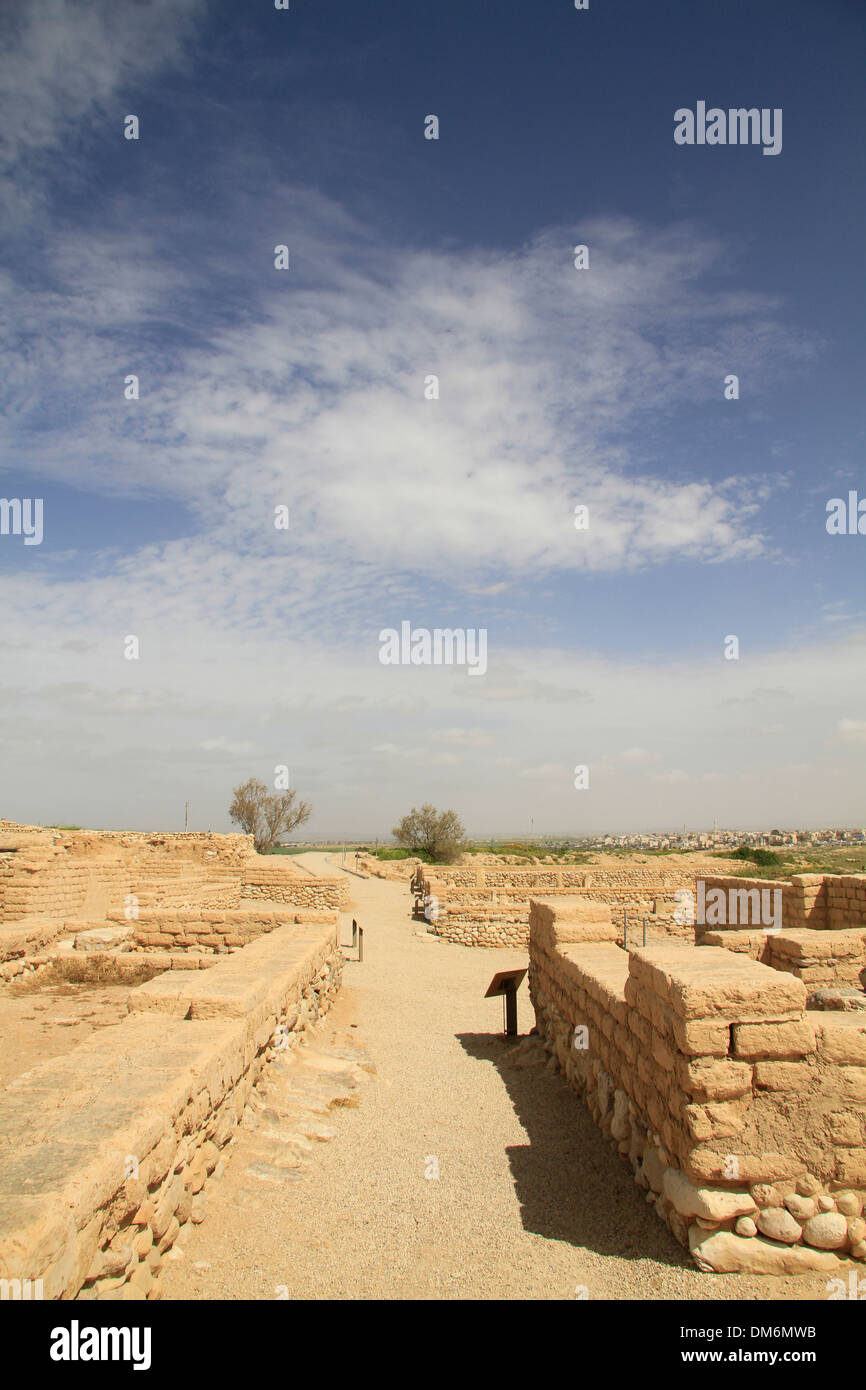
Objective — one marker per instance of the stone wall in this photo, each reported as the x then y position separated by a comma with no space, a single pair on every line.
532,881
845,900
489,906
105,1152
168,940
47,873
743,1115
471,925
394,870
277,885
481,905
52,881
819,958
212,929
823,935
828,902
803,898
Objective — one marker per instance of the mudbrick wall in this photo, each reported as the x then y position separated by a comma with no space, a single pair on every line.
804,898
53,882
166,940
105,1152
489,906
46,873
213,929
741,1114
821,902
543,878
296,889
823,934
394,870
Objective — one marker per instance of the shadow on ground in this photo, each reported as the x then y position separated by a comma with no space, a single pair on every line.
570,1183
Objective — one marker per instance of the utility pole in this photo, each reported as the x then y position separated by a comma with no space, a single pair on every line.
186,816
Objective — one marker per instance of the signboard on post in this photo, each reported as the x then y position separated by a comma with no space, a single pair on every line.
507,983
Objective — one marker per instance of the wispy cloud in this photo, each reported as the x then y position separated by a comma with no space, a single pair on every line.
260,388
64,63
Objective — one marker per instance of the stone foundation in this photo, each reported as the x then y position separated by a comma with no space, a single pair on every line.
297,890
105,1152
490,906
743,1116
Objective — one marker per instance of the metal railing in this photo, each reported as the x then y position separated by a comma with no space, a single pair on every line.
625,930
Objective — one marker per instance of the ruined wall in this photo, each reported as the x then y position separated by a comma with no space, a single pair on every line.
295,889
105,1152
472,901
544,878
828,902
504,925
212,929
845,900
831,958
803,898
820,959
822,940
46,873
490,906
50,881
743,1115
394,870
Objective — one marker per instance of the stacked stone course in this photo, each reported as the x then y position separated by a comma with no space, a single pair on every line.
277,885
105,1153
489,905
53,883
740,1114
822,940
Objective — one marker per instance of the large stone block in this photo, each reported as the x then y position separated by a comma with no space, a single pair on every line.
773,1041
713,984
722,1252
712,1204
842,1038
784,1076
712,1078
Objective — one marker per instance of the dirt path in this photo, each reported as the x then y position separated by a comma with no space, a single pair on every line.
530,1201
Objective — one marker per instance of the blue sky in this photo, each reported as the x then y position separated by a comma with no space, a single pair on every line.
305,388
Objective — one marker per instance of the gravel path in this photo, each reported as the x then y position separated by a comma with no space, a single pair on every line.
530,1202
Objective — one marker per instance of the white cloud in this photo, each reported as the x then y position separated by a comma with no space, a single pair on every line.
233,748
64,63
548,392
557,387
639,756
465,738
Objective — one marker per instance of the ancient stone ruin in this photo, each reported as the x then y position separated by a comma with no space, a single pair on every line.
724,1060
741,1111
105,1150
488,905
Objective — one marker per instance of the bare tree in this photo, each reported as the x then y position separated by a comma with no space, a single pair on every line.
437,834
267,815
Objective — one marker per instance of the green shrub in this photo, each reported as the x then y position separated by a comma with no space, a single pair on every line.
438,834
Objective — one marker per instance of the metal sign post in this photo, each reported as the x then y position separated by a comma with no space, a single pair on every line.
507,983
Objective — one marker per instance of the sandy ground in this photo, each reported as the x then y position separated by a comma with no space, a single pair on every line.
530,1202
48,1016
